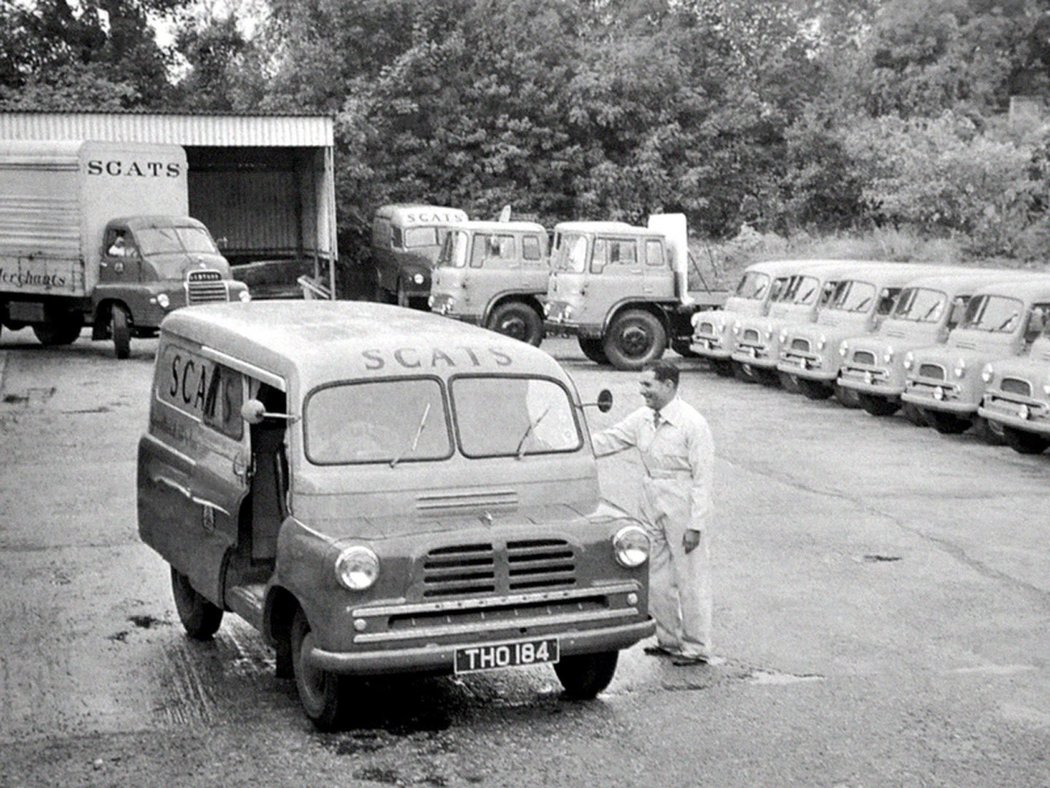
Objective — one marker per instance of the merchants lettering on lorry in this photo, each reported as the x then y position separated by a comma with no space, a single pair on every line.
141,169
435,358
30,279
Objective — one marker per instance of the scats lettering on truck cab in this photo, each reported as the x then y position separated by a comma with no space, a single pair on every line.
111,243
384,526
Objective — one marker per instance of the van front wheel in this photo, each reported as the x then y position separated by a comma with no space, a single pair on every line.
585,675
815,389
320,691
878,406
200,618
1025,442
517,320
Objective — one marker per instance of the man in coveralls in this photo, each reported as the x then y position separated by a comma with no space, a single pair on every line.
677,455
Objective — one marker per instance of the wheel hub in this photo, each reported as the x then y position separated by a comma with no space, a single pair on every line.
635,340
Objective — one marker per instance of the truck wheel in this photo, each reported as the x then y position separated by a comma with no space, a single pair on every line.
320,692
634,339
814,389
947,423
517,320
788,382
63,331
585,675
120,330
199,617
683,348
877,406
1025,442
592,348
722,368
847,398
991,432
914,414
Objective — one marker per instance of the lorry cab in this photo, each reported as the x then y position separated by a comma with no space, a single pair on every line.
859,303
759,285
1001,321
1017,395
493,274
755,340
329,471
927,310
406,241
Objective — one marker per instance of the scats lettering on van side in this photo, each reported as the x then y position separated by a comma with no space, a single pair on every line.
433,358
186,381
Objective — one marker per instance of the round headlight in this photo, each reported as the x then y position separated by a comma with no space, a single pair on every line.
418,278
245,296
887,357
357,568
822,342
987,373
769,331
783,336
631,546
960,368
843,348
163,300
909,360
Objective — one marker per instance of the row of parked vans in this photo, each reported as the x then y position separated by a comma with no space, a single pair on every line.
954,347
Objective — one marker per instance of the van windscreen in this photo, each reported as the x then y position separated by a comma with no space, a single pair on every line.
994,314
853,296
571,254
174,240
754,286
920,305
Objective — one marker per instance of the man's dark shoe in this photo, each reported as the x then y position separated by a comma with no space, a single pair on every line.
659,651
681,660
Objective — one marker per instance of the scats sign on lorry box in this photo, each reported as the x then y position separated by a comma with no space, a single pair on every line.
99,233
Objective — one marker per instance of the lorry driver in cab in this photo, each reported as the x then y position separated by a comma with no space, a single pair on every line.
120,246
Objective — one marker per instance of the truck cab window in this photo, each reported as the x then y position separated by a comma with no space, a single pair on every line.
654,253
530,247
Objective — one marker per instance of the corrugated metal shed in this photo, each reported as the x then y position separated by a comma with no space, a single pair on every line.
213,130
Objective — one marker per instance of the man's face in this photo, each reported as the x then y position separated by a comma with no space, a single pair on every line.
656,393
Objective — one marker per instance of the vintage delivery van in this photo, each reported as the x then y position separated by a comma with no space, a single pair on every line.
1001,321
406,240
758,286
1017,396
379,490
494,274
812,354
927,310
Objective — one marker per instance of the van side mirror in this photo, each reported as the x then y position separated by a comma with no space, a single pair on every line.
604,402
254,412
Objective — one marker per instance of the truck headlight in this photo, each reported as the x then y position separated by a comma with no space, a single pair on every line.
357,568
245,296
960,368
1046,389
163,300
418,278
987,373
887,357
843,348
822,342
631,546
909,360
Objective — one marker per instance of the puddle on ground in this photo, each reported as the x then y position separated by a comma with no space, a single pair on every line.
772,677
147,621
876,558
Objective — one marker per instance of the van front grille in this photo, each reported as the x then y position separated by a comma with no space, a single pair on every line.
800,344
540,563
864,357
1017,386
750,335
931,371
484,568
461,569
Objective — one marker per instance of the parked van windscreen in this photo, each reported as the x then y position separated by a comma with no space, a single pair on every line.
920,305
995,314
852,296
753,286
377,421
522,416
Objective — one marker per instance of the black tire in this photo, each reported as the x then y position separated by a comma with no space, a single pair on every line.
63,331
585,675
200,618
722,367
914,414
1025,442
518,320
947,423
788,382
847,398
742,374
320,692
635,338
120,331
767,377
592,348
878,406
683,348
815,389
991,432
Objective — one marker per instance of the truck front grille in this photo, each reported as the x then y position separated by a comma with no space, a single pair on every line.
204,287
931,371
1017,386
483,569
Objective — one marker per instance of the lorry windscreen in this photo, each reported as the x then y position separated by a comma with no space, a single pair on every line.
534,416
416,237
454,250
995,314
378,421
174,240
853,296
753,286
571,254
920,305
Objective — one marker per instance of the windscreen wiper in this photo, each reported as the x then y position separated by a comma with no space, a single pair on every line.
520,451
415,440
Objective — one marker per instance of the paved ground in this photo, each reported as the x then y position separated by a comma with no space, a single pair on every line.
883,599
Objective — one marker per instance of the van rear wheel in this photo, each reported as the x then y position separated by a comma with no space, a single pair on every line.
517,320
635,338
585,675
120,330
592,348
1025,442
200,618
320,691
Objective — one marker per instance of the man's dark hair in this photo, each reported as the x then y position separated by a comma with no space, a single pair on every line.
662,370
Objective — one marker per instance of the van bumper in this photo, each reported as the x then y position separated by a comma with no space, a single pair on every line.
441,658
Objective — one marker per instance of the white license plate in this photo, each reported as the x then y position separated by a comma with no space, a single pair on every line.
516,654
704,343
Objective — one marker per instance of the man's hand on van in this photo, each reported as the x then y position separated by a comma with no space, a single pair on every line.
690,539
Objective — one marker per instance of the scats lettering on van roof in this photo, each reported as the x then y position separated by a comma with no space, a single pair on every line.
316,341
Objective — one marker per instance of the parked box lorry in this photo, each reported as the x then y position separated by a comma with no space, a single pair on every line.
406,241
99,233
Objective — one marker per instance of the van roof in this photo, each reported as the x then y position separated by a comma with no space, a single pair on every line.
421,213
600,227
155,220
1030,289
316,342
967,279
492,226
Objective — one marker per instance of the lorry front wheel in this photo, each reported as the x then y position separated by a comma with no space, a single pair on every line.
199,617
120,330
61,331
320,691
592,348
634,339
517,320
1025,442
585,675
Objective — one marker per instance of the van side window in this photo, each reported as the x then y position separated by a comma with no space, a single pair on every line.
396,239
222,404
530,247
654,253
